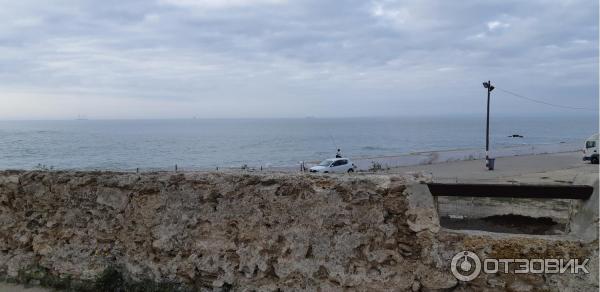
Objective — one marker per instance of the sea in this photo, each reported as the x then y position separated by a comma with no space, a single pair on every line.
203,144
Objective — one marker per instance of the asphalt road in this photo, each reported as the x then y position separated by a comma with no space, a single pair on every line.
543,168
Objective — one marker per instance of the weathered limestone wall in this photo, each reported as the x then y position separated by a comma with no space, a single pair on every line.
216,231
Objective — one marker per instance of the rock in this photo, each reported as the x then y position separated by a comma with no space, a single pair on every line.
24,239
9,180
520,286
416,286
434,279
253,232
112,197
421,213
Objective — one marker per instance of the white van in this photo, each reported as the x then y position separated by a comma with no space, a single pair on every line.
591,149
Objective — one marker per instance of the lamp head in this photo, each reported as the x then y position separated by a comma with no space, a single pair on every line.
489,86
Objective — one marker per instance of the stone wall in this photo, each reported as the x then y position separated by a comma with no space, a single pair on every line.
223,231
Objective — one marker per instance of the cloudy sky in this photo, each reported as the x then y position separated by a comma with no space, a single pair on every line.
286,58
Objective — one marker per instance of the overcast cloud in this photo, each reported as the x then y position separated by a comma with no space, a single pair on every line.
278,58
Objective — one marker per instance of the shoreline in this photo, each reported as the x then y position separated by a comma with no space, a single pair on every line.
364,163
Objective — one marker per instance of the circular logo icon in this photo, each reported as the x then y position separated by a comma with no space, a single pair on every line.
465,266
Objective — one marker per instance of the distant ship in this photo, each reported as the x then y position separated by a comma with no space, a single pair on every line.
81,118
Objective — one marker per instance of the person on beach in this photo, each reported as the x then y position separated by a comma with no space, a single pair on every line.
338,154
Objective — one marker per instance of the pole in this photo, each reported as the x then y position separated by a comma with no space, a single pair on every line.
487,125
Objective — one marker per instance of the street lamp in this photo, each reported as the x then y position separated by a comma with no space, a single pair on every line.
489,164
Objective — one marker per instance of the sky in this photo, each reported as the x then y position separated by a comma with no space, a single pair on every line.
133,59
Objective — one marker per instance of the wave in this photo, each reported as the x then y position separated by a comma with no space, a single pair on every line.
371,148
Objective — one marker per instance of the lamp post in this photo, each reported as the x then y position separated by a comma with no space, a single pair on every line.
488,85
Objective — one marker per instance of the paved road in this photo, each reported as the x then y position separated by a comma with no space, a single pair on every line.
549,168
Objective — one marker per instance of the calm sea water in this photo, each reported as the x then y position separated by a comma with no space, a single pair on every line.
204,144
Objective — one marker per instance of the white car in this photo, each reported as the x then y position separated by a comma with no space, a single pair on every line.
591,149
334,165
